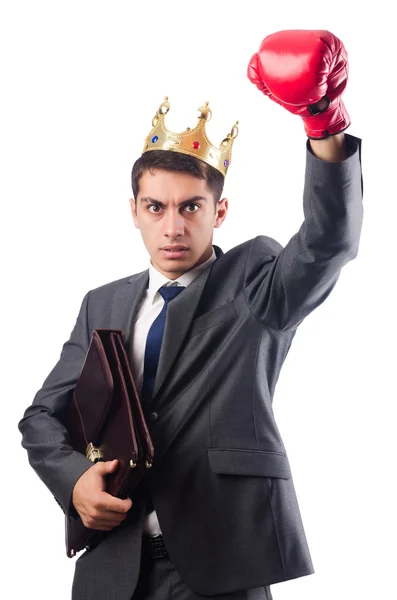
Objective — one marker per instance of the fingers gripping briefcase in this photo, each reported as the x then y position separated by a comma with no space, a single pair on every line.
105,421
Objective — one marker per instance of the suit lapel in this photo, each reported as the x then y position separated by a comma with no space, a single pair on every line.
126,304
180,313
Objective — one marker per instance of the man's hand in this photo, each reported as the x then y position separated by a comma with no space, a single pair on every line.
98,509
305,71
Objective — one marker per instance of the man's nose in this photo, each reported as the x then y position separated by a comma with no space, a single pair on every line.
174,223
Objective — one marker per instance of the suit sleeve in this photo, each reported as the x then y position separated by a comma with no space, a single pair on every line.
44,436
284,285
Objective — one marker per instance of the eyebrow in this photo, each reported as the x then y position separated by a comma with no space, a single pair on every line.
183,203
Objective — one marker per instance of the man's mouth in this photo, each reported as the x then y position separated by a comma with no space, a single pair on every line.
174,247
174,251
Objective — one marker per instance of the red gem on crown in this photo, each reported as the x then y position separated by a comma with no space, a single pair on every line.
196,145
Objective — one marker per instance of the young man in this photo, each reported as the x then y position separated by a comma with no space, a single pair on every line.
218,513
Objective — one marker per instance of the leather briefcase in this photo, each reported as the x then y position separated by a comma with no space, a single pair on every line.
105,421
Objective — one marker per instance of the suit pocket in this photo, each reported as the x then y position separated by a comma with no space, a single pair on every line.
260,463
212,318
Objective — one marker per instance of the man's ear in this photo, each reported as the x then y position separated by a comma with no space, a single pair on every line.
221,212
133,212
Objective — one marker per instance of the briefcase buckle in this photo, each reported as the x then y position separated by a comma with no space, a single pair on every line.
94,454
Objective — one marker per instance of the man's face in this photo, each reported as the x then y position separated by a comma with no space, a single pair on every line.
176,210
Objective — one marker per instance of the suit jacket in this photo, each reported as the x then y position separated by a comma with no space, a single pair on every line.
221,481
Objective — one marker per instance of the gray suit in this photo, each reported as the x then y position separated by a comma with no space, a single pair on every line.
221,483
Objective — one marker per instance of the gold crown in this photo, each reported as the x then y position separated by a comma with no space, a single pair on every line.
192,141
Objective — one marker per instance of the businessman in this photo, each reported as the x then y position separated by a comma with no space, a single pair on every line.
207,333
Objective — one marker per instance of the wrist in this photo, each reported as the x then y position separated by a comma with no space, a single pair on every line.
330,149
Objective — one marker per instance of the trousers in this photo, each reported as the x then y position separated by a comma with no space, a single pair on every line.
159,580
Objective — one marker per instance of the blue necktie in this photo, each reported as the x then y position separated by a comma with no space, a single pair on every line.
153,342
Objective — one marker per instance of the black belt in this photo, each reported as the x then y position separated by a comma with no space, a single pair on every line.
154,547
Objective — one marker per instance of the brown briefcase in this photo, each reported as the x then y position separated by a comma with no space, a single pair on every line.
105,421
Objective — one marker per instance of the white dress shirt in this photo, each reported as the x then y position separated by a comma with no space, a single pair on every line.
150,308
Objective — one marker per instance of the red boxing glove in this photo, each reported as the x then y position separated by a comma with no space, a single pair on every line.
297,68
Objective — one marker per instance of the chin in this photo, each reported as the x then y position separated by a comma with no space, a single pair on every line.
176,266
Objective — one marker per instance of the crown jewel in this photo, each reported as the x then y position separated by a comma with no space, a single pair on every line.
191,141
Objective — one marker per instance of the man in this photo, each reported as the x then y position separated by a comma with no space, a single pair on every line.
218,513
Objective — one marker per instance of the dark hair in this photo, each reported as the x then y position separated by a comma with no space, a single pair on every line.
177,162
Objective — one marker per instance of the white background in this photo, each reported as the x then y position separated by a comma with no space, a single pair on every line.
80,83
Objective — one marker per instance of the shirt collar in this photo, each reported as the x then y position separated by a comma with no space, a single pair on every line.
157,279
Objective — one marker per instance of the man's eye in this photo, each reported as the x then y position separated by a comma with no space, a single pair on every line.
190,205
154,206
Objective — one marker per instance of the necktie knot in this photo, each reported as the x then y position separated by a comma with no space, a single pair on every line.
170,292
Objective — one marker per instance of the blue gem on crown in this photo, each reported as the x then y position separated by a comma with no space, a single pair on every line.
154,139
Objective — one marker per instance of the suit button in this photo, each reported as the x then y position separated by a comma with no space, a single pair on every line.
154,416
